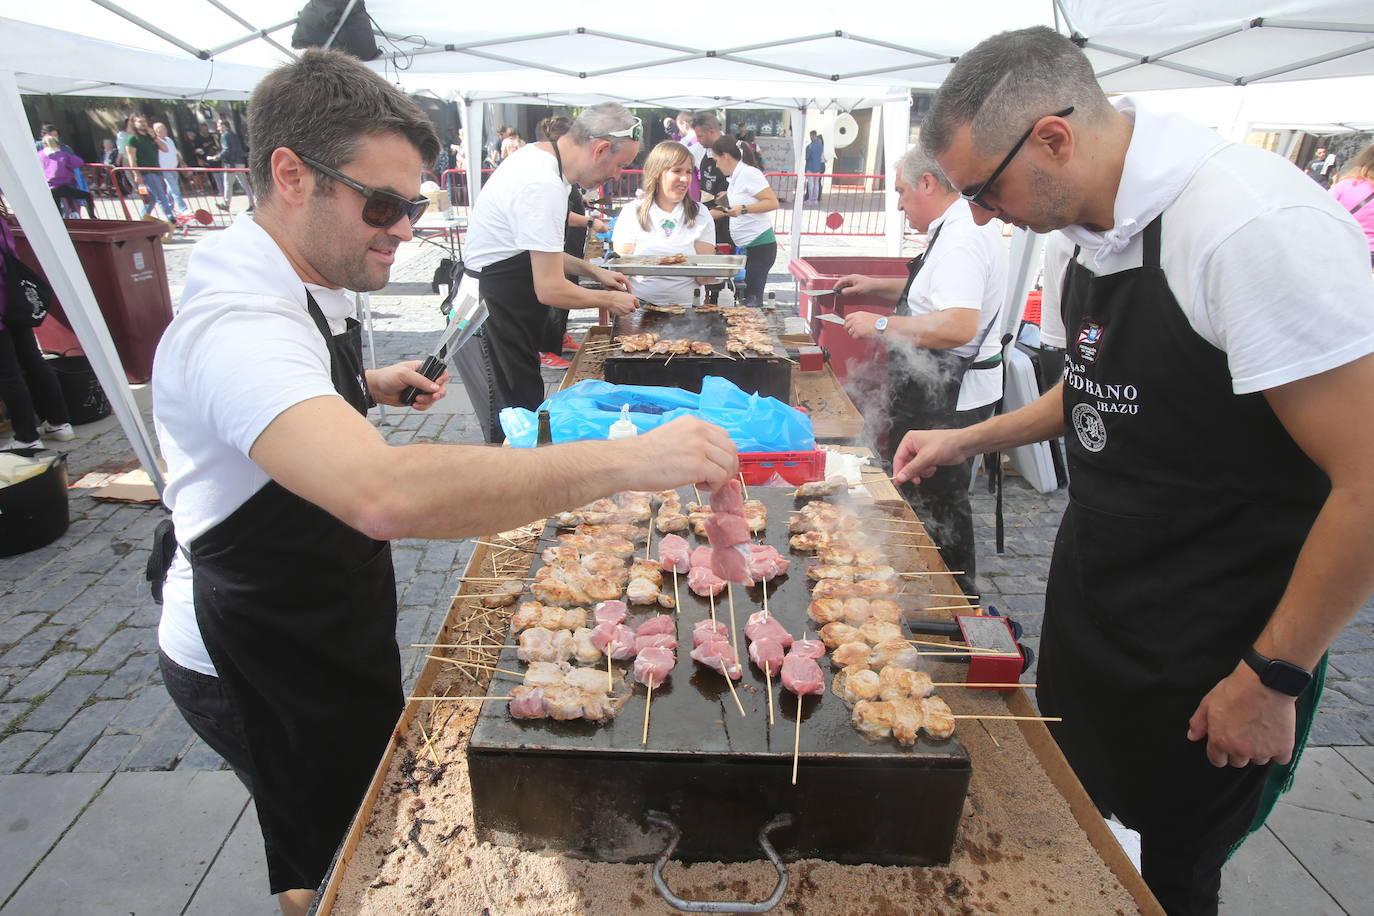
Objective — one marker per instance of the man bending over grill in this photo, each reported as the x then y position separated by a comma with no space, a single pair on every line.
278,633
1218,534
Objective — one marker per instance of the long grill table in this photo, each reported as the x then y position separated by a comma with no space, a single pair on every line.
584,788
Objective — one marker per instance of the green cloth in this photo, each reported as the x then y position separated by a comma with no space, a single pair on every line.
1280,778
145,150
763,239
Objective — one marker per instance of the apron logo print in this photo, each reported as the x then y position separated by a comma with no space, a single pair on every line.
1089,339
1092,432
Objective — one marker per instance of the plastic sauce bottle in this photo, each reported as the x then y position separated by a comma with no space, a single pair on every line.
624,428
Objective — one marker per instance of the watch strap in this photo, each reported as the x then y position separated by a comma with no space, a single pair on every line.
1276,674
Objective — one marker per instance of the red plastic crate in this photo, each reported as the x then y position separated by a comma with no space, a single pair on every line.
758,468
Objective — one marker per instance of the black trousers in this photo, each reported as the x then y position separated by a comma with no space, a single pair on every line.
941,501
758,261
28,382
203,704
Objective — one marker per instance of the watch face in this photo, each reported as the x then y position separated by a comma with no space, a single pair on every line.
1285,678
881,323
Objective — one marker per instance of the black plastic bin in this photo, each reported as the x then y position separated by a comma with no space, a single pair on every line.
34,512
86,401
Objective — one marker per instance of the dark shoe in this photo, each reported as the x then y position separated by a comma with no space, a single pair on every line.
222,205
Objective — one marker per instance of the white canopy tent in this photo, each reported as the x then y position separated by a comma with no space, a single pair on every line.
219,48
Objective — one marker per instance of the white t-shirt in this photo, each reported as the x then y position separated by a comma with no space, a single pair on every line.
669,233
967,269
522,207
241,350
696,148
168,159
743,188
1265,265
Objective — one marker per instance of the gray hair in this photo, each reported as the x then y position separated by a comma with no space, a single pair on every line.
705,119
918,162
597,123
1006,83
321,106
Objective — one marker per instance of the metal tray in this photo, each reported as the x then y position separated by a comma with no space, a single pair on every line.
698,265
583,788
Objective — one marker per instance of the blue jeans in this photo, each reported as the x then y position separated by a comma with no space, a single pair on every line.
157,189
173,182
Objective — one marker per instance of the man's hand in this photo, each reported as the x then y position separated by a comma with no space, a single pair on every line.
923,450
1245,722
621,304
735,211
854,285
610,279
597,225
861,325
387,383
686,451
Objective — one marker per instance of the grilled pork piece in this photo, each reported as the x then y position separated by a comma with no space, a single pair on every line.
900,683
851,653
874,718
939,720
897,652
584,649
875,631
908,716
856,683
837,634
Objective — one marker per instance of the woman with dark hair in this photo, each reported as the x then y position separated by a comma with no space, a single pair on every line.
21,366
1355,192
750,199
665,221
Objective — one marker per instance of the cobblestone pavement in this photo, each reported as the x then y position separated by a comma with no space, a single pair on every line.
79,688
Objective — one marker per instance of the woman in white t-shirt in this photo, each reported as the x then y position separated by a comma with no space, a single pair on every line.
750,199
665,221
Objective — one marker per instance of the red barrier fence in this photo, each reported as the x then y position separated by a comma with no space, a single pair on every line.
845,204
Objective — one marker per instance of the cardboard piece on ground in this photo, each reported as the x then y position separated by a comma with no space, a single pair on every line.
131,487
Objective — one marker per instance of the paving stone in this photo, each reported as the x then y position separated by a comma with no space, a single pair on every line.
1264,877
115,846
93,631
133,675
15,628
19,747
144,709
1360,690
63,593
47,675
162,744
233,886
63,702
200,756
11,711
428,590
441,556
1335,726
1018,605
120,645
76,737
30,650
1334,849
1351,665
1333,696
1326,781
1352,640
146,615
405,560
34,812
1361,758
108,754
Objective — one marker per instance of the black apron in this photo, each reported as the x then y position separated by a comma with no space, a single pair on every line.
298,614
1188,506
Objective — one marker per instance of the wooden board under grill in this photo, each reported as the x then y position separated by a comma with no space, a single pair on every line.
720,774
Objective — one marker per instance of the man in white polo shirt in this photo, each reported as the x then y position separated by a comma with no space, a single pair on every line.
514,255
944,348
1218,317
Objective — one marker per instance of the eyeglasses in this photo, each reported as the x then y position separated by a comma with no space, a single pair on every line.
635,131
381,209
976,195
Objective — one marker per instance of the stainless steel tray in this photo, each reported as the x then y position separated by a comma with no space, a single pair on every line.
698,265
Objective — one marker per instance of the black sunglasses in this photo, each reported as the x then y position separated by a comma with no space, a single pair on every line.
976,195
381,209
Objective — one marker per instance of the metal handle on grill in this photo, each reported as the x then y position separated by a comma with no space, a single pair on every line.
719,906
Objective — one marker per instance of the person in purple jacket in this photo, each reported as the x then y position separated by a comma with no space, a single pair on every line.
61,168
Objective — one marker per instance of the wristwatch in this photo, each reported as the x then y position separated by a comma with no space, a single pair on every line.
1277,674
880,325
743,208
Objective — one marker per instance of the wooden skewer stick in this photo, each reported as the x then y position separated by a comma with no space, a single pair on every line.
796,741
475,699
648,700
734,634
1016,718
950,607
458,645
713,609
973,653
726,355
610,678
649,541
766,615
508,546
696,493
768,676
956,684
677,598
934,572
429,743
743,486
730,682
940,595
495,578
467,664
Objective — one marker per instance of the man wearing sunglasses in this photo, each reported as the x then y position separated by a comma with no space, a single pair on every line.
1218,319
514,256
278,632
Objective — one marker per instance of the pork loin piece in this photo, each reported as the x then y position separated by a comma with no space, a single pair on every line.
660,624
705,583
674,554
808,648
527,702
704,630
611,612
763,625
767,654
653,665
719,655
800,673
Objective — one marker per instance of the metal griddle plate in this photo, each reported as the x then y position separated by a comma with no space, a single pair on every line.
695,729
698,265
770,376
708,326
